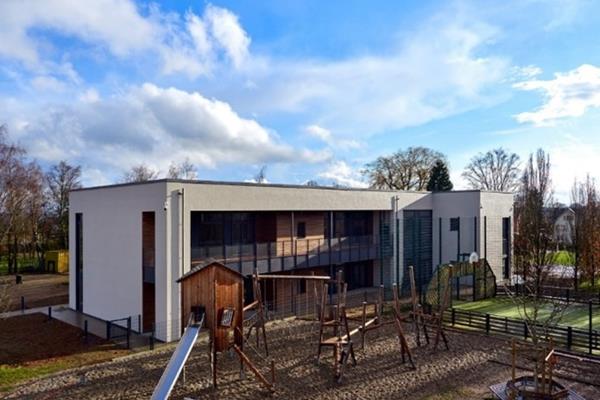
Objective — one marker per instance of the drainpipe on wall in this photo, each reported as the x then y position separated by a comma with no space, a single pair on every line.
181,204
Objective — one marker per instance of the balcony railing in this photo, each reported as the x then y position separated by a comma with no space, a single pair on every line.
286,255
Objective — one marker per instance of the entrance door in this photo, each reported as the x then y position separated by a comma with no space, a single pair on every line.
417,247
79,262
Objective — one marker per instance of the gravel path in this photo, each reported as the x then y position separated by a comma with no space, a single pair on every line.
464,372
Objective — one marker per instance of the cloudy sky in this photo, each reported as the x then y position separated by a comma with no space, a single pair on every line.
312,89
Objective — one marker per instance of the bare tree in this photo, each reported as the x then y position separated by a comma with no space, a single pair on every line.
404,170
586,226
60,180
533,238
312,183
495,170
261,176
183,170
11,167
5,298
140,173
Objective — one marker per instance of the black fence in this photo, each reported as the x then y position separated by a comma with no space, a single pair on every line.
119,332
566,337
566,294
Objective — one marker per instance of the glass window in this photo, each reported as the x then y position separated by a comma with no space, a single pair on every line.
454,224
301,230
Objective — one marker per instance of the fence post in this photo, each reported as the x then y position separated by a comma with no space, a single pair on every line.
487,323
525,332
49,312
590,326
22,303
453,316
152,336
458,288
139,323
569,337
107,330
129,332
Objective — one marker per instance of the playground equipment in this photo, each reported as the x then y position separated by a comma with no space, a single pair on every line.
434,319
216,292
337,320
334,316
177,362
541,385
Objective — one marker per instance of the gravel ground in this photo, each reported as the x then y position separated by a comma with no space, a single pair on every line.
463,372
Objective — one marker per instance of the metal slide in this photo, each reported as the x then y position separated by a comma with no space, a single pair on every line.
176,363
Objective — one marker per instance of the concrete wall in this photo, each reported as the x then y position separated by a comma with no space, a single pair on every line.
112,249
112,224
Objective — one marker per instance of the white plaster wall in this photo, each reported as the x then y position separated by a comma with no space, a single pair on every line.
224,197
112,248
448,205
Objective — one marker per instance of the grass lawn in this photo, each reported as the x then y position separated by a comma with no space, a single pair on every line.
576,315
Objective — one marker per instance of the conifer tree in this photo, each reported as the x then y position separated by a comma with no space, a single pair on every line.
439,178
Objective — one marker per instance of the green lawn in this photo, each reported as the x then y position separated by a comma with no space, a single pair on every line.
576,315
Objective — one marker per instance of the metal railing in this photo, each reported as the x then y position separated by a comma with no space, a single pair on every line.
288,254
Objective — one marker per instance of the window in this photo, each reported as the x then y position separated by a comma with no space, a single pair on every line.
454,224
301,230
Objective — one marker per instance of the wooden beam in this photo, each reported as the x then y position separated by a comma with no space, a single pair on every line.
246,360
356,330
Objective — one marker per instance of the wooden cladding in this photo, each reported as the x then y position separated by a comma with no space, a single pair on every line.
215,288
148,265
148,240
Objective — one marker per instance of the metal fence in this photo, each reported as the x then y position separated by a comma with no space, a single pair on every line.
119,332
565,337
566,294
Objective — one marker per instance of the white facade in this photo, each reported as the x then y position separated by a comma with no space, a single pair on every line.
112,233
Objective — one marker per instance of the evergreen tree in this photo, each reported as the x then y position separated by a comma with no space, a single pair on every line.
439,178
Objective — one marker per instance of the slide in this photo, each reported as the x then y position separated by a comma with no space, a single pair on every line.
176,363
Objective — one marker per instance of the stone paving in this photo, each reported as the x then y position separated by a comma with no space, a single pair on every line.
463,372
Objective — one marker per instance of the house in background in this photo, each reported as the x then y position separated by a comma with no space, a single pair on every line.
563,223
132,242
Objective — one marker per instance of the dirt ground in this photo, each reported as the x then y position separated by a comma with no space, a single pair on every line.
34,338
38,289
464,372
31,345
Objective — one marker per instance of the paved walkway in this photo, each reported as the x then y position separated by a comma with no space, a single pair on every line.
67,315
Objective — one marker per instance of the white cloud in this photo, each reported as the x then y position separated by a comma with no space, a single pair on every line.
156,126
225,28
189,44
341,173
324,135
573,158
569,94
431,74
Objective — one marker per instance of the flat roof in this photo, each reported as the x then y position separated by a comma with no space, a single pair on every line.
275,185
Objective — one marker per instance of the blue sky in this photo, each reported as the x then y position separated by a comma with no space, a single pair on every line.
311,89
